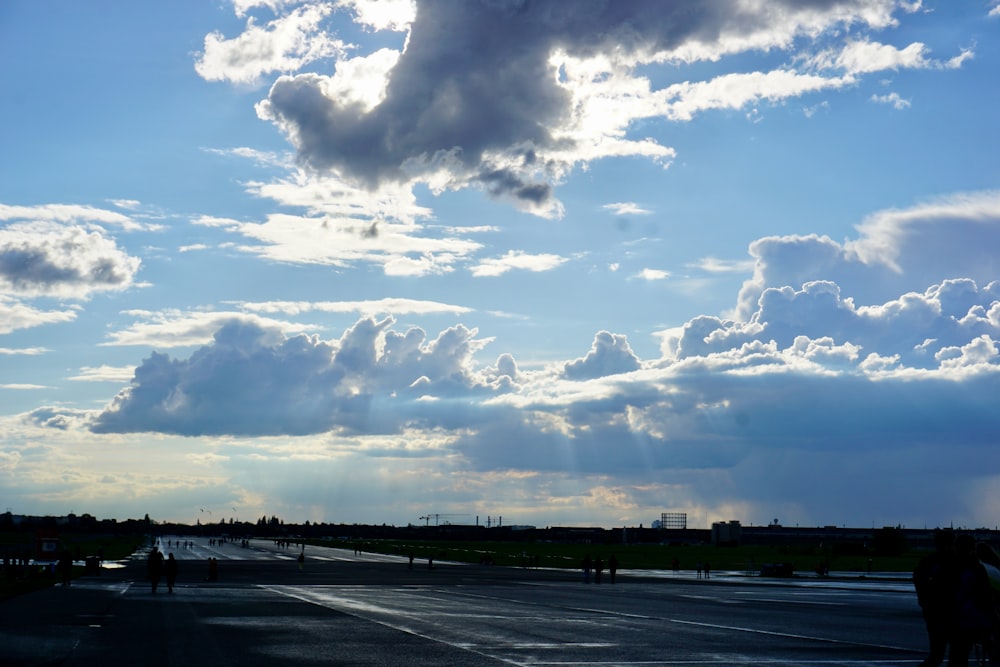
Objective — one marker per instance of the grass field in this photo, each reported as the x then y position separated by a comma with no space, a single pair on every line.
632,556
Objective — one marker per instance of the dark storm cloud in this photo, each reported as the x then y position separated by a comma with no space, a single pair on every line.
475,92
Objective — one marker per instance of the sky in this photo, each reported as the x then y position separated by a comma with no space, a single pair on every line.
541,262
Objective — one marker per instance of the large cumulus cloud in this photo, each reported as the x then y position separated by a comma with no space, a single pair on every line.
896,251
256,381
509,96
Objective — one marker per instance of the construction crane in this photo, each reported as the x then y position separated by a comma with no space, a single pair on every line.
437,518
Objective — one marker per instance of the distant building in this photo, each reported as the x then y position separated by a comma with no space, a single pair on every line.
727,533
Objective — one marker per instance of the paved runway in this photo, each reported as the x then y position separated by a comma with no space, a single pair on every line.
369,609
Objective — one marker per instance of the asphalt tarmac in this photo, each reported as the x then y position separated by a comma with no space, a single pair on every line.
343,608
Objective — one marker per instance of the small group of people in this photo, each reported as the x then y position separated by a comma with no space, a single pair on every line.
957,599
186,544
157,567
598,566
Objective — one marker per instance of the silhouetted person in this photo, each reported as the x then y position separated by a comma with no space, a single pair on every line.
154,568
598,568
65,567
612,567
170,570
974,614
587,563
411,560
302,558
932,580
991,561
707,570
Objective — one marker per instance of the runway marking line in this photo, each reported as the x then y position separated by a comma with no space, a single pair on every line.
790,635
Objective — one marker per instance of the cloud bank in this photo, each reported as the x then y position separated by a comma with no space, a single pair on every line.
811,378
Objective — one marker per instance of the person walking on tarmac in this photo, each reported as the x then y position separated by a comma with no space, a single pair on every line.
154,568
170,569
66,566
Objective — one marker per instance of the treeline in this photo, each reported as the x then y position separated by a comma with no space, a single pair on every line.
72,523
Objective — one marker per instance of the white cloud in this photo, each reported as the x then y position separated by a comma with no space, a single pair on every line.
715,265
383,14
285,44
653,274
104,373
978,352
336,240
128,204
387,306
328,196
362,80
28,351
682,101
812,110
261,158
893,100
242,7
863,56
345,226
43,258
517,260
172,328
70,214
15,314
609,354
626,208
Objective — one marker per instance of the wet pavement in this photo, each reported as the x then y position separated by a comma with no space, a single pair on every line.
343,608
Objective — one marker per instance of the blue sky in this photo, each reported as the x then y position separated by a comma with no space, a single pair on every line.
561,262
